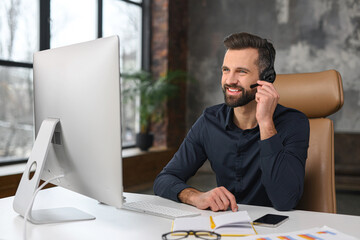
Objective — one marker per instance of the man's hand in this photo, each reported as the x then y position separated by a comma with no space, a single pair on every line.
267,98
217,199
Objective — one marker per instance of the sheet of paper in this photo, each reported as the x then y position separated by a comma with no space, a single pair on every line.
233,223
323,233
192,223
232,217
229,223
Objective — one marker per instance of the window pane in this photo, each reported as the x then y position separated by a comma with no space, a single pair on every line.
16,115
125,19
72,21
18,29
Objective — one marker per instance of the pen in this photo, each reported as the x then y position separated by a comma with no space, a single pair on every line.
254,85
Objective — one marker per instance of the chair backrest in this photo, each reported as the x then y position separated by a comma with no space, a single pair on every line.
317,95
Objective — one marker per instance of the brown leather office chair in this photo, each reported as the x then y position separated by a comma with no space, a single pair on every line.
317,95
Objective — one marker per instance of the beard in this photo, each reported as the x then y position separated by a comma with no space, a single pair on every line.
238,101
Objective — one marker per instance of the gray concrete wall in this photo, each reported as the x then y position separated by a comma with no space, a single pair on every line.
309,35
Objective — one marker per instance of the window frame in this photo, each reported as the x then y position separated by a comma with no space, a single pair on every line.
44,43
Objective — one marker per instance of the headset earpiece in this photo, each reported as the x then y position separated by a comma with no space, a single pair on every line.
269,73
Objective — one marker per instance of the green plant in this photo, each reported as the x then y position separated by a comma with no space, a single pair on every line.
153,93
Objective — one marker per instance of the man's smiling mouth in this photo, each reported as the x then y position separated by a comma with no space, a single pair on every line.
234,90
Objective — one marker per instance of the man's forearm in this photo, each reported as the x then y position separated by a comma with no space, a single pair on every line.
282,171
187,195
267,130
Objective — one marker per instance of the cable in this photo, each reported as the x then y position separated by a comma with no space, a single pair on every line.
33,198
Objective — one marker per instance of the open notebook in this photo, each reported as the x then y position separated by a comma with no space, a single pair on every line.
227,224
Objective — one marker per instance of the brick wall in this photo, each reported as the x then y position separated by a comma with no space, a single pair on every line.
169,52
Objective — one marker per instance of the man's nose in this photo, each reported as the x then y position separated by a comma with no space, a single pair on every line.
232,79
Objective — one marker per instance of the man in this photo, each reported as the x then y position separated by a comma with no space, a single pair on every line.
256,147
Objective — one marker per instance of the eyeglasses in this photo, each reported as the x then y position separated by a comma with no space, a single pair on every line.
184,234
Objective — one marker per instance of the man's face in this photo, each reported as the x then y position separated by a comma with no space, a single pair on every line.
239,71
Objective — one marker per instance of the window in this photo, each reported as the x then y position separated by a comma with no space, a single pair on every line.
72,21
128,26
62,22
19,39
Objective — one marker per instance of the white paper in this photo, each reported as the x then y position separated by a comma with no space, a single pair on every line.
233,217
191,223
232,223
324,233
238,223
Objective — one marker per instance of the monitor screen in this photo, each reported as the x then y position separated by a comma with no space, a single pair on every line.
79,86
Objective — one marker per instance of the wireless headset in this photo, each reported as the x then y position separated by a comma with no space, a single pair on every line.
269,73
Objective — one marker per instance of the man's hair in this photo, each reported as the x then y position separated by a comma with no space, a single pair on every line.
237,41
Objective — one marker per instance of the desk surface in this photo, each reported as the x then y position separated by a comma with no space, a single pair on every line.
111,223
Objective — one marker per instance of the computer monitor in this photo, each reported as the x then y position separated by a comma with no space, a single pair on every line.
78,126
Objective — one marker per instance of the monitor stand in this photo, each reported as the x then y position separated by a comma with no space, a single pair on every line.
28,185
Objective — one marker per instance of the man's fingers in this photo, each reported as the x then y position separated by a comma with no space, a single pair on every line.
217,198
268,87
269,91
231,199
225,202
214,206
224,196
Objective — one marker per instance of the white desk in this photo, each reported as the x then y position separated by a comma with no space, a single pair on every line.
114,223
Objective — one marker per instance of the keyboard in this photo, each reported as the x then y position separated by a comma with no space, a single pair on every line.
157,210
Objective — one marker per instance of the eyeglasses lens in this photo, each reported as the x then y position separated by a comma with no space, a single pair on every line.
175,235
207,235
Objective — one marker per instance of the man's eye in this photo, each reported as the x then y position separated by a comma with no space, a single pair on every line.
225,69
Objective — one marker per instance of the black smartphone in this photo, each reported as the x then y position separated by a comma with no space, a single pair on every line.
271,220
